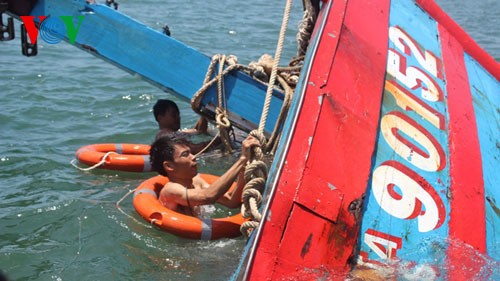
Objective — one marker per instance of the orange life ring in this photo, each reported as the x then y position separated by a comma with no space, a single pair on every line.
127,157
146,203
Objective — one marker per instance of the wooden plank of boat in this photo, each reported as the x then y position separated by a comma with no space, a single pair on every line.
158,58
400,157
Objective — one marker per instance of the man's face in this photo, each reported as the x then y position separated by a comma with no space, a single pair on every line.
184,164
171,119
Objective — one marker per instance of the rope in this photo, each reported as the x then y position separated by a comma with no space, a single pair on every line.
103,160
272,143
208,82
286,76
306,27
117,204
221,118
247,227
223,123
207,146
277,57
220,84
256,173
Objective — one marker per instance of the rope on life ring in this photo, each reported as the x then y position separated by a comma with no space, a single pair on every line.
100,163
114,156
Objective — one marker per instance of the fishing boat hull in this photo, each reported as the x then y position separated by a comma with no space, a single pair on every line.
389,152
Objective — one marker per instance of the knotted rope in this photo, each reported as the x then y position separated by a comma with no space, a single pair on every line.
255,178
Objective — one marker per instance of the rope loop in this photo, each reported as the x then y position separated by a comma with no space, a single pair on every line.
247,227
102,162
256,184
221,118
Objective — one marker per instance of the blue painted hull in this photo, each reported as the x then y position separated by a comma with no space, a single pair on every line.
397,175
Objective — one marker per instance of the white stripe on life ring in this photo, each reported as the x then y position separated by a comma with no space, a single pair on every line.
206,229
147,164
119,148
148,191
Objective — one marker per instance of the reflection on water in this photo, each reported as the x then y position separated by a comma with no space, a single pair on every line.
435,264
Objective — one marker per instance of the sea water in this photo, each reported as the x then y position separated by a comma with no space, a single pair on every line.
60,223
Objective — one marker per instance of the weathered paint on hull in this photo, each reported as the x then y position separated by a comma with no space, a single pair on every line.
391,153
435,155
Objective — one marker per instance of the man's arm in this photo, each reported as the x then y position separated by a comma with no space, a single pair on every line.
232,198
202,125
202,196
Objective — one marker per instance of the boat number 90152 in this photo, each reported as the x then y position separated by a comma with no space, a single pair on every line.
412,87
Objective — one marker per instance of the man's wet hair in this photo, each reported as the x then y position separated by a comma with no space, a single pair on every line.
162,150
162,106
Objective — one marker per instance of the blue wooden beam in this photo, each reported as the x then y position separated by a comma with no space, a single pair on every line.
159,59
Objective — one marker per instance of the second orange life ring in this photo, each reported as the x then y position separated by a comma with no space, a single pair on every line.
124,157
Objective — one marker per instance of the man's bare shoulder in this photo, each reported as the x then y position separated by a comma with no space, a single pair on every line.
172,188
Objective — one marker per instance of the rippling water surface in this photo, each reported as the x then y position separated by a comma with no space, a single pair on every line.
59,223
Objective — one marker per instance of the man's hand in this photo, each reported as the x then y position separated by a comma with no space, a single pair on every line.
246,147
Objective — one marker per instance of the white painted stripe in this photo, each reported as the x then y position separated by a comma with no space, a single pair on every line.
206,229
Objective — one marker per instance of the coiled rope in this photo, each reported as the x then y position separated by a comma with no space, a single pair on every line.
255,178
221,118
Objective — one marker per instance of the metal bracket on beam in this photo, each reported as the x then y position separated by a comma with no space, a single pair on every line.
28,48
6,31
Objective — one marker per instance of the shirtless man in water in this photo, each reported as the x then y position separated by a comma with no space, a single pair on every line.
166,113
186,190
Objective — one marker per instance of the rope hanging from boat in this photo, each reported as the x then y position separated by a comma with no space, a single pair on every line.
266,70
274,70
221,118
255,178
223,123
306,26
256,171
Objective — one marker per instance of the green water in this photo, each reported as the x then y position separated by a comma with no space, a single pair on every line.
59,223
